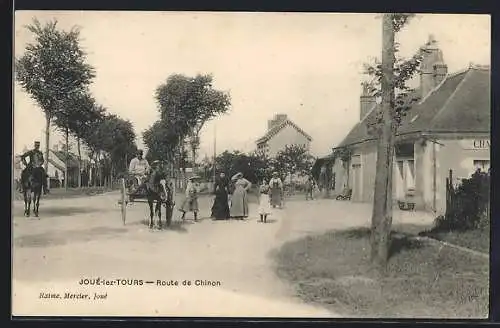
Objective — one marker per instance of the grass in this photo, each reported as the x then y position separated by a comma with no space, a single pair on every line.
477,239
423,280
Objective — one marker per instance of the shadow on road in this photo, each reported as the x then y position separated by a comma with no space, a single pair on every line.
58,238
49,212
177,226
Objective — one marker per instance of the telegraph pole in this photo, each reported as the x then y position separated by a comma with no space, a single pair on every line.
382,206
215,147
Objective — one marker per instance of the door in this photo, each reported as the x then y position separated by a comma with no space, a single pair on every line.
357,192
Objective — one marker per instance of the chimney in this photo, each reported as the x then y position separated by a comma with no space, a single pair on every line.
433,70
270,124
278,118
366,101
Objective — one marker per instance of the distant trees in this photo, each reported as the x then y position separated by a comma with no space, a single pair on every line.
54,72
251,165
257,166
185,105
293,159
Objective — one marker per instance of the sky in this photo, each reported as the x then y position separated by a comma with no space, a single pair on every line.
306,65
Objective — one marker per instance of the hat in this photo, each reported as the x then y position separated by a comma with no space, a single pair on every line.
237,176
275,173
194,177
37,142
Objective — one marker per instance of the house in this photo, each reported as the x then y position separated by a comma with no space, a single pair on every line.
448,129
57,164
281,132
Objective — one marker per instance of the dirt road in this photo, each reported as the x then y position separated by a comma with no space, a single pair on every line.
84,238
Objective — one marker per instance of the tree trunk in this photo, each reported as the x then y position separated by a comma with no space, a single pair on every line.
47,140
382,211
67,159
79,162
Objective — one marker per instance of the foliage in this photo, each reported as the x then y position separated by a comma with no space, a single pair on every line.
343,153
161,140
404,70
53,68
187,103
252,166
293,159
469,206
116,137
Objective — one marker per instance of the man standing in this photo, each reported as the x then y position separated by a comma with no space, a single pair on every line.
139,168
36,161
309,187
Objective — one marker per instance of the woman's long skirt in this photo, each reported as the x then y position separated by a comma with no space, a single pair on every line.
239,203
220,209
276,196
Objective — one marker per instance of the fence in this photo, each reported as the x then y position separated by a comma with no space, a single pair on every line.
468,203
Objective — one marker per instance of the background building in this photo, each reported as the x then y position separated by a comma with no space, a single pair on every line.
448,129
282,132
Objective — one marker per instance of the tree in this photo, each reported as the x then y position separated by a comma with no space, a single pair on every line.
161,140
112,141
390,78
74,116
187,103
293,159
252,166
52,69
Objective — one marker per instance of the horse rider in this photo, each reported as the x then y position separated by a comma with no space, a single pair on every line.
139,168
36,161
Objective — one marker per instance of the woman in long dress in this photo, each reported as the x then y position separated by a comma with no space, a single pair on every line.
239,199
264,201
220,209
276,190
190,203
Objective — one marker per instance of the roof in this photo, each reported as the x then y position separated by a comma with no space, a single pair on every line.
61,155
273,131
460,104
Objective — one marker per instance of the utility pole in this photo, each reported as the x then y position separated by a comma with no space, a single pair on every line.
215,147
382,206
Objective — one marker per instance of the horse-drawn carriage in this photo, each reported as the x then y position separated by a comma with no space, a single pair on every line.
157,187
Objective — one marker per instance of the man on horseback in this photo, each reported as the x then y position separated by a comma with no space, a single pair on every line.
36,162
139,168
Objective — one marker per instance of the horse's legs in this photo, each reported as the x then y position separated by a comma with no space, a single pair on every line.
151,213
25,196
28,202
36,202
158,211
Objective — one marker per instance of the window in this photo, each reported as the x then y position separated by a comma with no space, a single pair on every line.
483,164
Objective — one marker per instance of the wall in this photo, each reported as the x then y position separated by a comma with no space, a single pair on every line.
458,155
286,136
369,166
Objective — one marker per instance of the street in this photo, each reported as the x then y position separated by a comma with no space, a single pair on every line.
84,238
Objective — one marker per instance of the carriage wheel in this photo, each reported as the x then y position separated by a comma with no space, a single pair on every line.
123,201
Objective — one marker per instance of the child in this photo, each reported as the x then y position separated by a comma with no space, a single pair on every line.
190,203
264,201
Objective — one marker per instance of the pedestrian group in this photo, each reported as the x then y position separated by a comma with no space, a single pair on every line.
231,197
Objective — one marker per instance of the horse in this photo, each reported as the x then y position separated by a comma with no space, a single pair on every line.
31,184
158,191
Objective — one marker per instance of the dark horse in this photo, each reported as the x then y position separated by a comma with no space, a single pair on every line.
160,191
31,183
